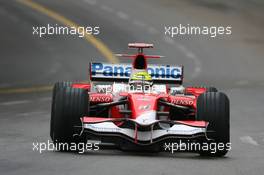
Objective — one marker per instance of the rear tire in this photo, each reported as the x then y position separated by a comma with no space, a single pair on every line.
211,89
214,108
70,104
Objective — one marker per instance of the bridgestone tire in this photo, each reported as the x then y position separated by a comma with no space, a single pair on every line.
211,89
70,104
214,108
56,88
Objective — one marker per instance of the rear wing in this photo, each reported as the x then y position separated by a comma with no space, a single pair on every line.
167,74
140,45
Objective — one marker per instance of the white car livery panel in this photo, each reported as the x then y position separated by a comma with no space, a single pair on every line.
177,129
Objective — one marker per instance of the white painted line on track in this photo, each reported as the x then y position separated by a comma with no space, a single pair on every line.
107,8
139,23
33,113
122,15
9,103
169,40
90,2
45,99
19,102
152,30
242,83
250,140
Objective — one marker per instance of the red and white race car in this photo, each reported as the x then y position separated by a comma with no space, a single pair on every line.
141,107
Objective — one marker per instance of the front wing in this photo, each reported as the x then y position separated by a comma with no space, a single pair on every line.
144,133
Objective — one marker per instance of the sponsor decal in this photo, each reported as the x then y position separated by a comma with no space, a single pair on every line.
157,72
182,102
100,98
144,107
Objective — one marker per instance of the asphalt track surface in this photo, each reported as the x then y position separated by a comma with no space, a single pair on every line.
29,65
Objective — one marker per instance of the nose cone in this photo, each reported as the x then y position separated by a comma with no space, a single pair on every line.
142,105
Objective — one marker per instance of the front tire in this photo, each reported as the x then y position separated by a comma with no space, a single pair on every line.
56,88
214,108
70,104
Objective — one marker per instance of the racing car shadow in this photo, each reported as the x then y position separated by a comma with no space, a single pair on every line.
107,151
165,155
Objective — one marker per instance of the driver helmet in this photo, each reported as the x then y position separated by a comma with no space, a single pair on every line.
141,78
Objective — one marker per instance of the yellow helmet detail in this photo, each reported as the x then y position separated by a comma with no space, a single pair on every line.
141,75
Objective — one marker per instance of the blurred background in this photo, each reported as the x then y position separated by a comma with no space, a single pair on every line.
29,65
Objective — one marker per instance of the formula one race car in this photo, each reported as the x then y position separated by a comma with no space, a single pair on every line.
141,107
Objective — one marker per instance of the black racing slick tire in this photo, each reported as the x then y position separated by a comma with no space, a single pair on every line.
214,108
56,88
70,105
211,89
